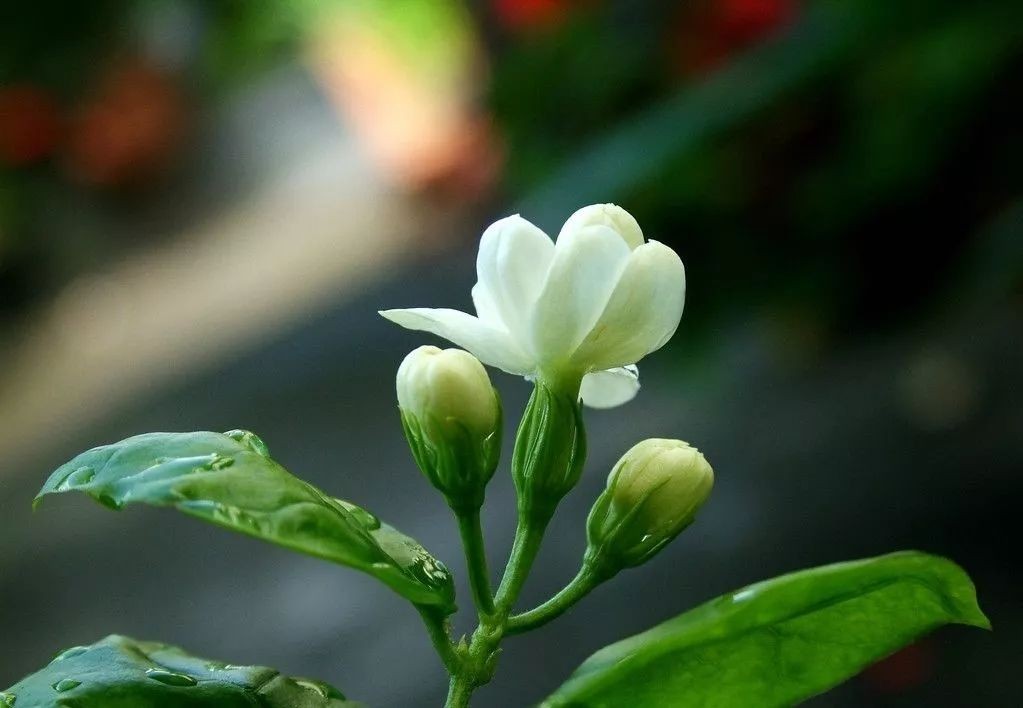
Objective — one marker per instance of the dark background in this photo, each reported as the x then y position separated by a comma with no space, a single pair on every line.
202,206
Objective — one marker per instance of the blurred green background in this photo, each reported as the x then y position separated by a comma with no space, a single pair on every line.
203,204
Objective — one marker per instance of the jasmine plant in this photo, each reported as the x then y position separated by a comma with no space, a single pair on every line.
572,316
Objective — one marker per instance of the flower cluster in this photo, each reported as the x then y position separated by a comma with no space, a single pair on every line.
576,313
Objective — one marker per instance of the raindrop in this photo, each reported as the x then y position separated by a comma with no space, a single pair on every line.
109,501
221,462
215,462
249,440
428,569
170,678
366,519
77,478
312,686
66,685
323,690
69,653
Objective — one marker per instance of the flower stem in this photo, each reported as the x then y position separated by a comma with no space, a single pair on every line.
437,629
476,560
576,590
528,536
459,692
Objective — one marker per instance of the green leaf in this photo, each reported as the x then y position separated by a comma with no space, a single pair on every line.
780,641
118,672
229,479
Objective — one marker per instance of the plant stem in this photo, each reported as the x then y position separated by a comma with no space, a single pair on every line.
437,629
459,692
528,536
476,560
576,590
474,666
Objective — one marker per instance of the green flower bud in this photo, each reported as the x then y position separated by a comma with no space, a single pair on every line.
452,418
652,494
550,449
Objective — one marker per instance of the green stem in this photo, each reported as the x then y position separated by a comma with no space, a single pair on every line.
459,692
528,536
475,665
476,560
576,590
436,627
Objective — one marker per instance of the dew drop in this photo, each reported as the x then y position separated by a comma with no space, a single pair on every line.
321,689
312,686
221,462
109,501
368,520
69,653
170,678
77,478
249,440
7,700
215,462
66,685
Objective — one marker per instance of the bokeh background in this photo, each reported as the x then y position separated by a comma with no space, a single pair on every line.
203,204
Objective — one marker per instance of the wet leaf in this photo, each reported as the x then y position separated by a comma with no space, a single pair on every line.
118,672
780,641
229,479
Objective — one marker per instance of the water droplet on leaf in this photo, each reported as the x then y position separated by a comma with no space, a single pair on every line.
109,501
323,690
69,653
366,519
76,478
170,678
66,685
249,440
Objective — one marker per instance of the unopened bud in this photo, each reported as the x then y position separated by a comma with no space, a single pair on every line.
550,449
452,419
652,494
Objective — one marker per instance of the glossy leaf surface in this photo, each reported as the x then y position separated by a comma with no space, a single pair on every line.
780,641
118,672
229,479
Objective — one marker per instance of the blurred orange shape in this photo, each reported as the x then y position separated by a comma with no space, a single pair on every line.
129,129
530,14
745,21
29,124
411,98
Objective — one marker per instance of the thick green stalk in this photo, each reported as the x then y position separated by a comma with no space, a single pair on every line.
577,589
476,560
459,692
436,627
477,661
528,536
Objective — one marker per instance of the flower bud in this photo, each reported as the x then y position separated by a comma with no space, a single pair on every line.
652,494
550,449
452,419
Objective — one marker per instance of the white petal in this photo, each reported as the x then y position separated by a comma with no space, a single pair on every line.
607,389
486,310
610,215
512,263
492,346
643,312
587,264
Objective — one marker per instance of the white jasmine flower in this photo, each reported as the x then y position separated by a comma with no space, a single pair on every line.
576,313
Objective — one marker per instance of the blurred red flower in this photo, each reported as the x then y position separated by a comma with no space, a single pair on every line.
29,124
129,129
531,14
715,30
